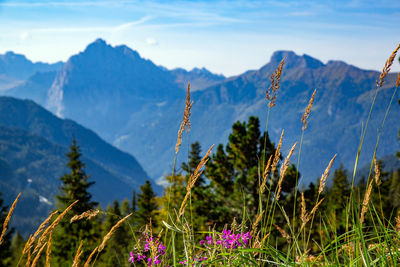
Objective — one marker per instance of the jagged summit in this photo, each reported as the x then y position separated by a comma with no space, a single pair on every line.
294,60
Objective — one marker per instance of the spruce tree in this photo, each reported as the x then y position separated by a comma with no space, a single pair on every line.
338,197
74,186
147,205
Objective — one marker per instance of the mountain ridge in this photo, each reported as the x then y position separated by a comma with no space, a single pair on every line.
132,115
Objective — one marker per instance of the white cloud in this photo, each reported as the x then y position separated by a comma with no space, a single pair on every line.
151,41
25,35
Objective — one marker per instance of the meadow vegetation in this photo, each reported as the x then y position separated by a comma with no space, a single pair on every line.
238,204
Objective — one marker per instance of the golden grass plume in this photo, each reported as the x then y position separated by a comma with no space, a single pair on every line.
275,84
111,232
366,202
185,124
377,173
386,68
307,112
283,233
41,227
398,80
52,226
35,260
277,154
87,263
87,214
193,178
322,181
265,175
48,251
77,255
284,168
7,220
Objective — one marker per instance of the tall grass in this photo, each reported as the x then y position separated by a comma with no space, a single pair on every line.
250,241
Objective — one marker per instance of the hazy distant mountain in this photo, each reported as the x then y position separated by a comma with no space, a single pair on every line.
138,106
199,79
16,68
104,85
33,143
35,88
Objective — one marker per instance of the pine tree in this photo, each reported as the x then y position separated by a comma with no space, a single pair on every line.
147,205
338,197
236,170
5,247
74,186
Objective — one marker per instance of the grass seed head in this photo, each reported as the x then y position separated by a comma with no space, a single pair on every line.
275,84
7,220
322,181
386,68
307,112
185,124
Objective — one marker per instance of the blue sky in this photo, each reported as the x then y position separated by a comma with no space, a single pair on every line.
226,37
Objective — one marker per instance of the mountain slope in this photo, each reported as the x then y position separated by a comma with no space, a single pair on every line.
32,165
28,116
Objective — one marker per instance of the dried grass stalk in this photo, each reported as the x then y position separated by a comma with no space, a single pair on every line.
307,112
7,220
283,233
48,251
87,214
258,219
28,259
275,84
185,124
284,168
398,80
308,216
111,232
386,68
397,227
87,263
193,178
324,176
41,227
277,155
52,226
265,175
377,173
77,255
303,209
366,202
38,255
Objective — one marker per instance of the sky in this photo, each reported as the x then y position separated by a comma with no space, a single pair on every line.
226,37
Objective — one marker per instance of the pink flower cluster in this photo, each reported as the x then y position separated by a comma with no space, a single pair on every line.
151,246
228,240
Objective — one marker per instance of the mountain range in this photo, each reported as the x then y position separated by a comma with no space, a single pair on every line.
137,106
33,144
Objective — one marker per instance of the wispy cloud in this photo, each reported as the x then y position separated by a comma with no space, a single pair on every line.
40,4
24,35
